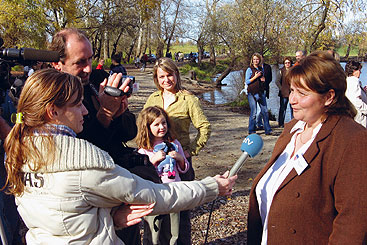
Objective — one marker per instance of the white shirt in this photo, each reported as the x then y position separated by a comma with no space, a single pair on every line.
273,178
358,97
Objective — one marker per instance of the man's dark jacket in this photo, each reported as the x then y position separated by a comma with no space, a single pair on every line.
268,78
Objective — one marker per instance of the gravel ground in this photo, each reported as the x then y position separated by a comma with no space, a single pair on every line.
229,128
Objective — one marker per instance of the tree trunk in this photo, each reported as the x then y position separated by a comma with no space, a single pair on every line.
321,26
348,51
200,53
114,51
105,44
148,40
158,32
128,55
170,37
97,45
145,41
218,82
160,48
98,49
213,59
140,39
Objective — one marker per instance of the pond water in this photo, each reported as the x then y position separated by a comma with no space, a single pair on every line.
234,84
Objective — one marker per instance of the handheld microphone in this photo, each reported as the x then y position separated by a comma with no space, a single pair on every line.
251,146
29,54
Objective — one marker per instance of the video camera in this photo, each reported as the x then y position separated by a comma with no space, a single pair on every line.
117,92
10,57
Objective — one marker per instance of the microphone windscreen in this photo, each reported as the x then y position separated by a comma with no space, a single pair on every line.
252,144
40,55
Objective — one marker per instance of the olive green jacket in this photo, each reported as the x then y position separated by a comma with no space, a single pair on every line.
184,110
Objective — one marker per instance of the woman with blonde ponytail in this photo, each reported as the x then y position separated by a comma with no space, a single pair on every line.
32,119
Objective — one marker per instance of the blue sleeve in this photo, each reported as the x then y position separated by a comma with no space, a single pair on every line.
248,76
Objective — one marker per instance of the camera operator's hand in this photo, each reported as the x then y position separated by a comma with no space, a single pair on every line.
127,215
123,107
110,106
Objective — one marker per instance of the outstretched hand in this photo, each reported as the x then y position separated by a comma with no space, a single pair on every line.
128,215
225,184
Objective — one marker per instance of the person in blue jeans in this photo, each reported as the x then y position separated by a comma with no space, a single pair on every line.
254,78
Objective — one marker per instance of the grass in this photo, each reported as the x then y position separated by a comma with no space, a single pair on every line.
185,48
343,50
240,102
206,71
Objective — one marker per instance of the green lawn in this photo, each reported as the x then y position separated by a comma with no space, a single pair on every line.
186,48
343,50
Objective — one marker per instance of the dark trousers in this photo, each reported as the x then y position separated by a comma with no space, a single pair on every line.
8,211
130,235
283,109
184,236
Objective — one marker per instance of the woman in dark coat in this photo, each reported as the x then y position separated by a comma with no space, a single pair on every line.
284,91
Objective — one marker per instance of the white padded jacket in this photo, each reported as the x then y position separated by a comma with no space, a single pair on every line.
70,201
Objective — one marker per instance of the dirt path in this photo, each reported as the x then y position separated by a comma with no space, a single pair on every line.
228,225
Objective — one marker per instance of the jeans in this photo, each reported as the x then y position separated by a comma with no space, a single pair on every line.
253,100
283,109
259,118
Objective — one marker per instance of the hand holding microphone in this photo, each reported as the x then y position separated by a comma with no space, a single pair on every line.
225,184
